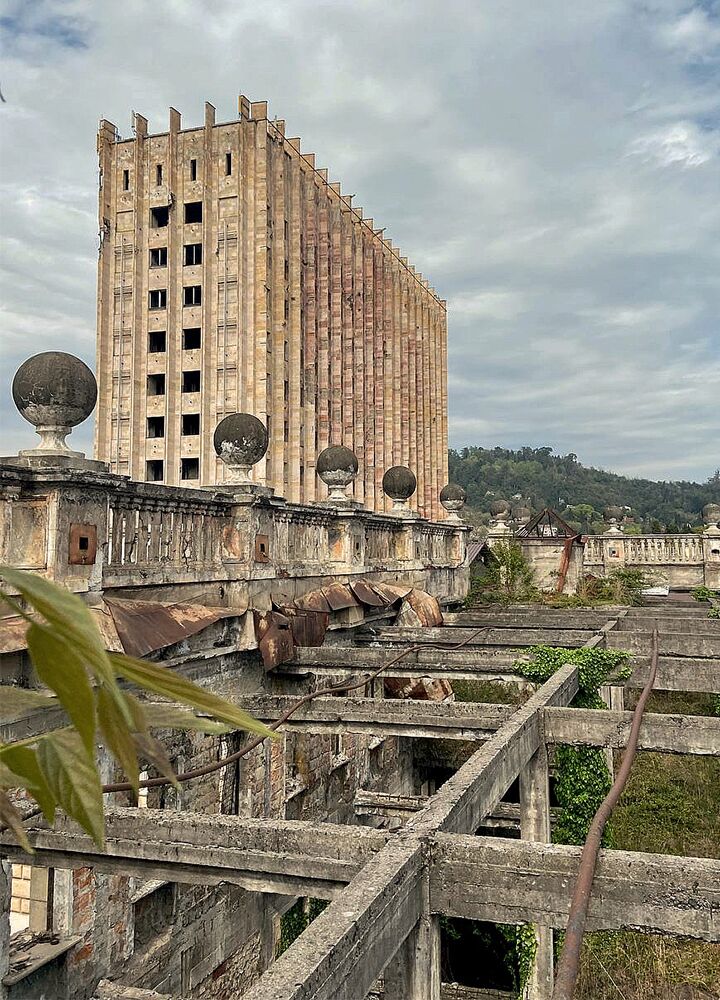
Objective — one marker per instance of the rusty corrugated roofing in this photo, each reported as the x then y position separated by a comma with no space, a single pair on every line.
146,626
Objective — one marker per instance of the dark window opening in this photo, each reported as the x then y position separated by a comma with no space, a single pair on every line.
193,211
152,913
156,427
154,470
193,253
158,257
83,543
156,385
189,468
191,381
126,180
158,298
191,338
193,170
228,164
157,341
159,216
192,295
158,174
190,424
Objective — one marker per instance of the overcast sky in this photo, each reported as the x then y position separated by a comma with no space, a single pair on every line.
553,168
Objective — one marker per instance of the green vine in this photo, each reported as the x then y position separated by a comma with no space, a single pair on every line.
297,918
595,668
522,950
714,613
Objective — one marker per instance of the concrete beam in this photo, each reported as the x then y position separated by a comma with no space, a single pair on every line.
531,618
451,636
697,643
691,734
678,673
453,664
382,718
289,857
475,789
511,881
342,954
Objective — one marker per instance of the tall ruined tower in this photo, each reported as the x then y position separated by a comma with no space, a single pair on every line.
234,277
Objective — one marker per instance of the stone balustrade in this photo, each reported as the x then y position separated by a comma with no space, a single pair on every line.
95,531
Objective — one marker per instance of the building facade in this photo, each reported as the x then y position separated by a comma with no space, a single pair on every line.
234,277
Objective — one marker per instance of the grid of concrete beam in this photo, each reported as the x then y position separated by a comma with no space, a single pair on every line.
389,890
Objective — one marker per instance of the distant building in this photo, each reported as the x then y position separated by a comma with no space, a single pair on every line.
234,277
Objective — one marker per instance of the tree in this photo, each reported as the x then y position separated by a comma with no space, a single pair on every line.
58,767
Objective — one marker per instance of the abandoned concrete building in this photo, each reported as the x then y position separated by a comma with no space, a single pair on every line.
361,824
233,275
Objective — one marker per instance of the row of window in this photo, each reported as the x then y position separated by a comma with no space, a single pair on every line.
155,469
192,254
160,214
156,383
191,340
189,425
192,296
192,170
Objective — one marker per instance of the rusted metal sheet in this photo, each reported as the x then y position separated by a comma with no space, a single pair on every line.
308,627
419,688
392,592
339,596
314,600
367,594
146,626
426,607
13,632
274,637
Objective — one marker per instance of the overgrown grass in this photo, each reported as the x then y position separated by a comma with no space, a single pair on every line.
671,805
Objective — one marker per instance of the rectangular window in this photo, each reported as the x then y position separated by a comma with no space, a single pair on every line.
159,216
156,427
191,338
193,211
193,253
154,471
158,257
158,298
158,174
190,381
192,295
156,341
156,385
190,424
126,180
189,468
193,170
228,164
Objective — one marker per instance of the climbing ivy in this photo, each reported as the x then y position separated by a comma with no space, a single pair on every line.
595,668
714,613
582,776
297,918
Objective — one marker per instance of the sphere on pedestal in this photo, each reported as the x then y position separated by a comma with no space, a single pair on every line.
499,507
399,483
54,389
711,513
240,440
337,466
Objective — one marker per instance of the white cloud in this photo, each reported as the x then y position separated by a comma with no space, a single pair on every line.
552,169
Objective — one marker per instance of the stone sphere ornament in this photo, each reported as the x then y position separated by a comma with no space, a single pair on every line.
613,516
711,518
337,466
500,509
452,498
55,392
240,440
399,483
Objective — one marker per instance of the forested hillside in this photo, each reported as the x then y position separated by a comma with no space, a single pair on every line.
577,491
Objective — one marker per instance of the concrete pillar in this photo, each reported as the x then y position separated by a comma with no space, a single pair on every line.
535,826
414,973
5,892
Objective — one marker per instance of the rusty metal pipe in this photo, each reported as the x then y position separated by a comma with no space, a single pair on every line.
569,963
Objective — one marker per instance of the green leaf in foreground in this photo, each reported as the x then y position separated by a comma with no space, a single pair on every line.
160,680
15,701
117,736
73,780
13,820
21,769
59,667
157,715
